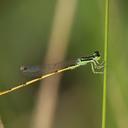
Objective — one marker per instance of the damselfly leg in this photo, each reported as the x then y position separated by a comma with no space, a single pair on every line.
95,65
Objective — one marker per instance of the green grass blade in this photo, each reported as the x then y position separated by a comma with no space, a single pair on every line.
105,66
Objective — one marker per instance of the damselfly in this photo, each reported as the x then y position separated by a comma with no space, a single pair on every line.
50,70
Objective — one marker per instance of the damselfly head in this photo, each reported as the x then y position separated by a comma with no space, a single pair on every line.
96,55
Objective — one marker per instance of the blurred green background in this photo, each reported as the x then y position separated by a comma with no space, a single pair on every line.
25,28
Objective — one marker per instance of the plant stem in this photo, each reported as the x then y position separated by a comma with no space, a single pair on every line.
105,66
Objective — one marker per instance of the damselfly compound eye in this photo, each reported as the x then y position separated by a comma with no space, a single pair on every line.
96,54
